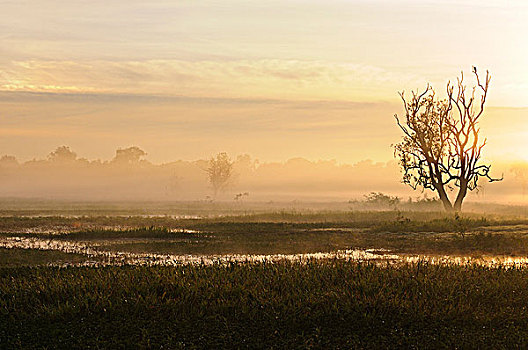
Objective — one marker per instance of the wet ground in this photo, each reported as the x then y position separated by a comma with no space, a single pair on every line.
378,237
97,253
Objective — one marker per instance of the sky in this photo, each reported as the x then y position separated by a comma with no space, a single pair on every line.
275,79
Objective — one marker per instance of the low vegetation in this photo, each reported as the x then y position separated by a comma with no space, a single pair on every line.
332,303
335,303
282,233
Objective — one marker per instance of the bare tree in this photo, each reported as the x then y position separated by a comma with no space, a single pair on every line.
219,172
441,146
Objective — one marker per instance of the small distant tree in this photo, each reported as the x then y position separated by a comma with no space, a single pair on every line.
381,199
62,154
441,146
8,161
129,155
241,195
219,172
520,172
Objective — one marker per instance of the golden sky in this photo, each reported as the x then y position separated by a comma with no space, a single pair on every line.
276,79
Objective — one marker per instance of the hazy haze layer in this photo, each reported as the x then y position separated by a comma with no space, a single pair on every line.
275,79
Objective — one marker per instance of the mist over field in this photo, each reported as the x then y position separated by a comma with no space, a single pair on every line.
129,175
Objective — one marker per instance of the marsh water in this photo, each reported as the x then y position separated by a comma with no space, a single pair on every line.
97,254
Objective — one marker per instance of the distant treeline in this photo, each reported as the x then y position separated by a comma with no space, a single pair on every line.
130,176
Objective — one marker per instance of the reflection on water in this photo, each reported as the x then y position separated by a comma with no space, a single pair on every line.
127,216
90,249
61,230
485,260
103,258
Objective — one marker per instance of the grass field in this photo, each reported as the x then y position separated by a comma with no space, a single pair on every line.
320,303
426,233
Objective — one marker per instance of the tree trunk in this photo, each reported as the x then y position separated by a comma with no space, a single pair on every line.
461,195
215,191
439,185
444,198
447,203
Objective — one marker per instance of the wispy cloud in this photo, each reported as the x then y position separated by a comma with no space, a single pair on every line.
277,79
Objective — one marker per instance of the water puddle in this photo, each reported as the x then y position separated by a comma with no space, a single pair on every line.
84,216
486,260
64,230
337,229
92,250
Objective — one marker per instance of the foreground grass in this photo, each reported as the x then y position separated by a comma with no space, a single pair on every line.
262,305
